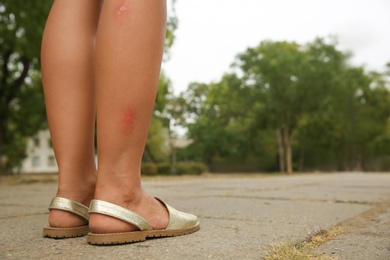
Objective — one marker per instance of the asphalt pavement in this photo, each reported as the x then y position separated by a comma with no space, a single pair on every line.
241,216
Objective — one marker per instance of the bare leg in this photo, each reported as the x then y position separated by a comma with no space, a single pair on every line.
68,79
129,48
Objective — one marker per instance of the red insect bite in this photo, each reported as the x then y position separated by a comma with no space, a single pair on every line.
129,117
122,9
128,120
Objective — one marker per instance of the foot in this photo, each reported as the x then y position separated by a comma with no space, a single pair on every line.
81,192
140,202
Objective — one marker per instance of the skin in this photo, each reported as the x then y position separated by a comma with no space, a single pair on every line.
105,56
68,81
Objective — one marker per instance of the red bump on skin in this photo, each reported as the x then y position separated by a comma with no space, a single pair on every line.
128,119
122,9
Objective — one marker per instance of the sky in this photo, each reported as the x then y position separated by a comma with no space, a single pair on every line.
212,32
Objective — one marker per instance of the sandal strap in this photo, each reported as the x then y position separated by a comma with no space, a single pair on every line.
178,219
70,206
109,209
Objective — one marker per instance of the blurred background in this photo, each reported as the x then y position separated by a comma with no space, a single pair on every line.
246,86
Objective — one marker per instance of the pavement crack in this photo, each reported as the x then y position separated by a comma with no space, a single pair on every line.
297,199
280,188
22,215
366,218
18,205
234,219
359,221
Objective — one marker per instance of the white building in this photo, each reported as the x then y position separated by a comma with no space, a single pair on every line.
40,155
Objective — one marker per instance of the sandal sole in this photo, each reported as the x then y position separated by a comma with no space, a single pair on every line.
136,236
52,232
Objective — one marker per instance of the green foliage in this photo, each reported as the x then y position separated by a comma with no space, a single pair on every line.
289,106
164,168
158,142
149,169
189,168
22,111
172,23
290,81
355,118
164,97
157,145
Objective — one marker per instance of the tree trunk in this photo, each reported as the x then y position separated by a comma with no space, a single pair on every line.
3,107
302,158
2,155
287,142
279,135
358,167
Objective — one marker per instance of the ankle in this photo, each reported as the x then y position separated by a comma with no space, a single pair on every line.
80,188
125,184
121,193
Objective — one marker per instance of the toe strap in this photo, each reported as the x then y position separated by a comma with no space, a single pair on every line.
178,219
109,209
70,206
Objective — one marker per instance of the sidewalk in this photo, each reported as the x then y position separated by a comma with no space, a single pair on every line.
240,218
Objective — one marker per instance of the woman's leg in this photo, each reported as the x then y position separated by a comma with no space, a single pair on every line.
129,47
68,80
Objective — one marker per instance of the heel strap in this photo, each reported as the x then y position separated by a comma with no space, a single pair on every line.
70,206
109,209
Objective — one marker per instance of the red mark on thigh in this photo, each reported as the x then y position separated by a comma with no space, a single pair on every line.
122,9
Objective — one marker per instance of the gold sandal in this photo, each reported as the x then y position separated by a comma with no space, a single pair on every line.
69,206
180,223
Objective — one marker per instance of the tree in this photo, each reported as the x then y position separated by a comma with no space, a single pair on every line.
303,103
22,111
355,117
219,117
291,80
186,109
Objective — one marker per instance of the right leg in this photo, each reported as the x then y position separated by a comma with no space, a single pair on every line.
68,80
129,47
